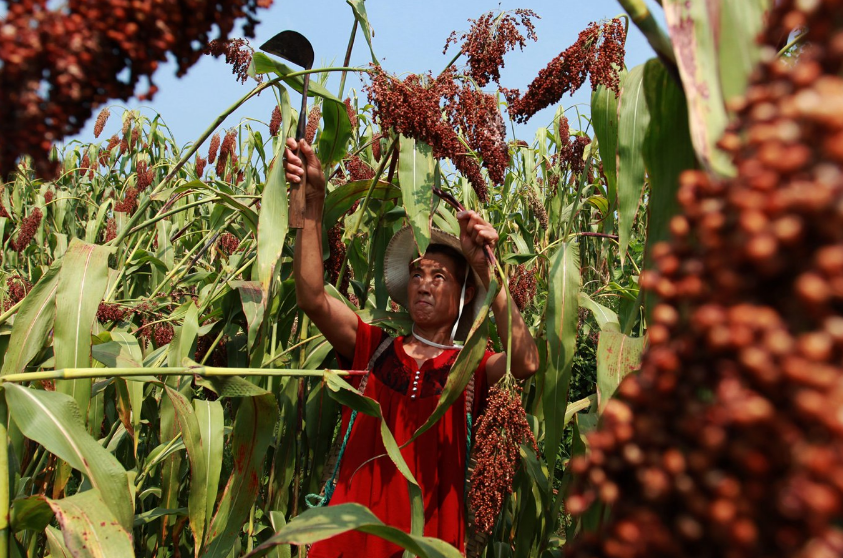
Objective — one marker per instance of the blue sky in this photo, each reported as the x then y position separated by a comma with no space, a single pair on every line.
408,38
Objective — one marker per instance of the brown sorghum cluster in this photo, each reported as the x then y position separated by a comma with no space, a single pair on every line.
228,243
537,205
59,61
219,357
229,143
200,165
109,312
16,288
3,212
48,197
145,175
275,121
570,152
102,118
357,169
129,202
28,228
352,114
489,38
336,255
86,167
213,148
376,146
110,230
238,54
729,442
312,123
497,442
162,333
522,286
413,107
599,51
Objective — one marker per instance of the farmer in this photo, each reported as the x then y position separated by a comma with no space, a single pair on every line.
443,291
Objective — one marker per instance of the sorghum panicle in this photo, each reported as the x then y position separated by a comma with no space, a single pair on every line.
312,123
501,431
28,228
352,114
200,165
522,286
275,121
102,118
238,54
728,440
214,148
228,243
489,38
129,202
227,150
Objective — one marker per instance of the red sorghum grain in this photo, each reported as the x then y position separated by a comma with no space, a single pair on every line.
102,118
28,228
275,121
214,148
312,123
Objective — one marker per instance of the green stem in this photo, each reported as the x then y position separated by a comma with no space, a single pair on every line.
348,56
293,347
583,178
795,41
157,218
656,36
196,370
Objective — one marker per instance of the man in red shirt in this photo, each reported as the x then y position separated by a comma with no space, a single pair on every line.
408,373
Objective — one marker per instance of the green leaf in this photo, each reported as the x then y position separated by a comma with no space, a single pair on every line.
561,322
740,25
56,543
53,420
338,202
617,356
251,294
32,513
318,524
693,26
604,118
632,124
667,151
250,438
415,172
606,319
204,451
33,323
90,529
359,9
273,221
184,337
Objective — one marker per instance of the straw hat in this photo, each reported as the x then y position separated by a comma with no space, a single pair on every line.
402,249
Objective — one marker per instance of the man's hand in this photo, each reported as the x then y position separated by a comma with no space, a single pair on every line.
295,170
475,233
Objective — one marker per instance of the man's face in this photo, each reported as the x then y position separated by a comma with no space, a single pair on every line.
434,291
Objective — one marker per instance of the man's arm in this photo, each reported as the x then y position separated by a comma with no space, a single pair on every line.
474,234
335,320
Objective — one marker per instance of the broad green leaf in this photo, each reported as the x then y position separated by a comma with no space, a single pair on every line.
415,172
53,420
155,513
632,124
278,522
667,151
253,306
253,429
184,337
342,392
273,220
338,202
33,323
56,543
359,9
693,26
90,529
205,456
321,523
617,356
604,118
561,322
606,319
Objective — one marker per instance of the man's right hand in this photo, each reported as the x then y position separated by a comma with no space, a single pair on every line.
295,170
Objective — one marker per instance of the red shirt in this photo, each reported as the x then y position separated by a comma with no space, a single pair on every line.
436,459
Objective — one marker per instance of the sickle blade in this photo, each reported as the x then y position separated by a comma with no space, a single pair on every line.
291,46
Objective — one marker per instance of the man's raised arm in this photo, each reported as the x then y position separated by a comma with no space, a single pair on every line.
335,320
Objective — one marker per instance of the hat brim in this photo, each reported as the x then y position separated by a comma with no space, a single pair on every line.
402,249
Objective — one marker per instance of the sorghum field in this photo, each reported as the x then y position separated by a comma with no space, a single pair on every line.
677,253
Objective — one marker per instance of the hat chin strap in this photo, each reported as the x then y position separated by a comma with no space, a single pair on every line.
456,324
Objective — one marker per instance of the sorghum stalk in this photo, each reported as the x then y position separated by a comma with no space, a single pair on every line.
5,511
